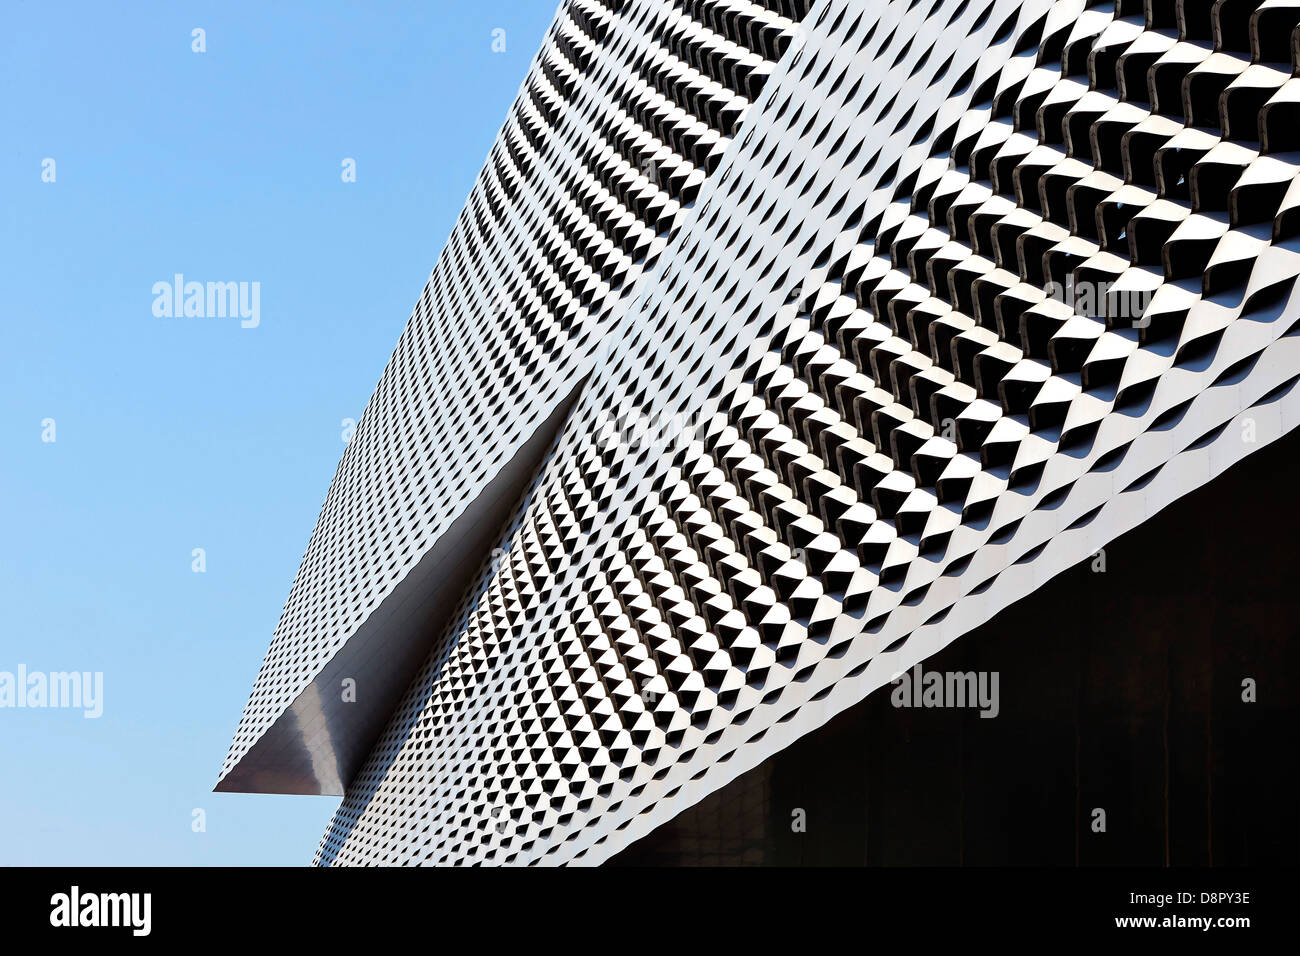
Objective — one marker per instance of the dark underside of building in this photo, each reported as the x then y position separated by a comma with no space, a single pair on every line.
1119,691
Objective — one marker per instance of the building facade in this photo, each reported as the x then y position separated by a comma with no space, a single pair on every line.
779,344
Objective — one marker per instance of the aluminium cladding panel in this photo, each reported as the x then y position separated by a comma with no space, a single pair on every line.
319,742
625,109
898,430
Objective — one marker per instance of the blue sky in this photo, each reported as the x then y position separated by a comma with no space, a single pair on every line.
179,433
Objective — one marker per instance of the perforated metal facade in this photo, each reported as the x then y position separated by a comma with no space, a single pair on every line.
868,372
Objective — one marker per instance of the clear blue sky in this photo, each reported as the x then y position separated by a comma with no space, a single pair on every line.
175,434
